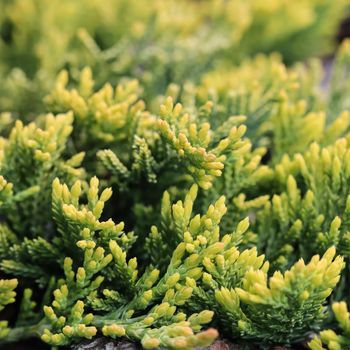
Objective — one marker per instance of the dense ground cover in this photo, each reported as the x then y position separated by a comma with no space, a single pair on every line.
166,178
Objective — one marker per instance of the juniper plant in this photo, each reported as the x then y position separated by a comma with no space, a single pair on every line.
200,199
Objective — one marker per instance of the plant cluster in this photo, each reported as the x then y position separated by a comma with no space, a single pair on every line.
152,41
160,193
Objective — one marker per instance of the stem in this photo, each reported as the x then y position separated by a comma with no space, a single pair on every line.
20,333
100,321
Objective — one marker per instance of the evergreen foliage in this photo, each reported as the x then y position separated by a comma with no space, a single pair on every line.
152,41
166,185
329,337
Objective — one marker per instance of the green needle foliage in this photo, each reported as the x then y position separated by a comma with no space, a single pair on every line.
153,41
328,337
7,296
160,184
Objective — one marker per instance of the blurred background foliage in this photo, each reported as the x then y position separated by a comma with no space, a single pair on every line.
157,41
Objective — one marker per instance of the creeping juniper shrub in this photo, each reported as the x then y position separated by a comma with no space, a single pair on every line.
153,189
